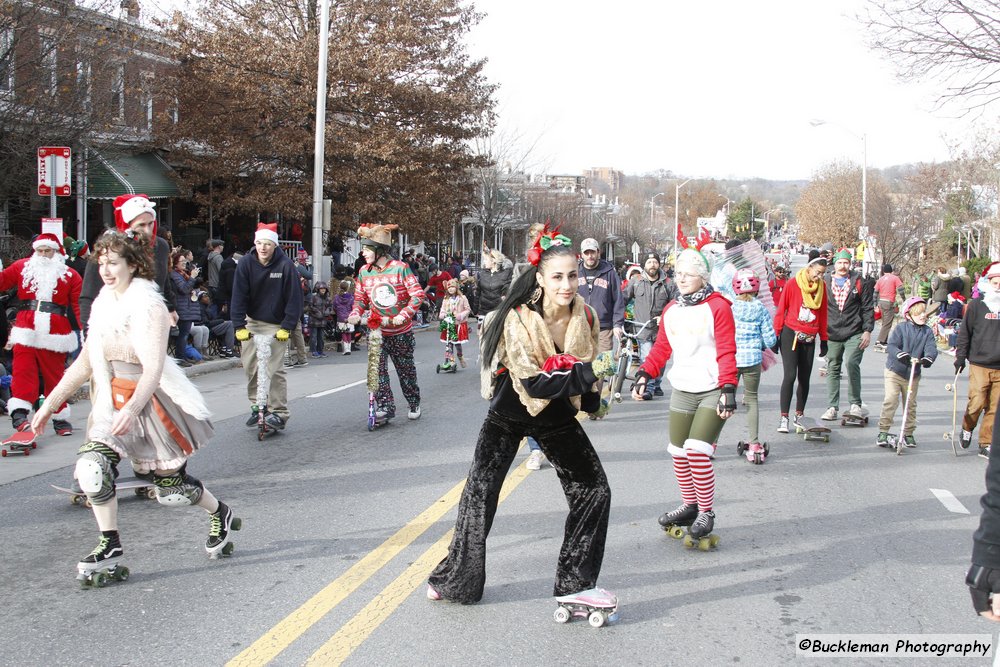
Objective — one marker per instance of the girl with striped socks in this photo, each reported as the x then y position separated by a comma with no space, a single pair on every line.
698,331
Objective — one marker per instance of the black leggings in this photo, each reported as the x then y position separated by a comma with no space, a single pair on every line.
461,576
798,363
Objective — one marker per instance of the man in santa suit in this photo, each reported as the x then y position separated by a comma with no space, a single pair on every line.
42,336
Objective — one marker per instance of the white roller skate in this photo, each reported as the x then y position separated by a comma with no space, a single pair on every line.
597,605
222,522
756,452
101,566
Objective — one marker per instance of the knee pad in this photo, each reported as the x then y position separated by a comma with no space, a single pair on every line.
178,490
698,446
96,472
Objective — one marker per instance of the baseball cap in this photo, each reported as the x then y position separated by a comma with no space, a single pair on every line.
590,244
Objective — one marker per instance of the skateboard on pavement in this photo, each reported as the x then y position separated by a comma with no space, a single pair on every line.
811,431
143,489
853,420
22,442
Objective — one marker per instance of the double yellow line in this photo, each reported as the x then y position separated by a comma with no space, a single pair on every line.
353,633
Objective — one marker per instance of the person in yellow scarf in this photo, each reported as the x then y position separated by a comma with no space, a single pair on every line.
799,319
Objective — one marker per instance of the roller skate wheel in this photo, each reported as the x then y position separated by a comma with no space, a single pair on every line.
228,549
98,579
121,573
597,619
739,448
561,615
675,532
688,542
151,493
236,524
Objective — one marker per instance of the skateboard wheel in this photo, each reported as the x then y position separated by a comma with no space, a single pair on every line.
561,615
151,493
87,503
3,452
34,445
597,619
74,500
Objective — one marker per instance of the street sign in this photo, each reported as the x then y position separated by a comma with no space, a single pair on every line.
53,226
55,171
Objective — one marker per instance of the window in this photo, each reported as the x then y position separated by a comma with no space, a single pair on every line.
83,85
146,82
49,63
118,93
6,60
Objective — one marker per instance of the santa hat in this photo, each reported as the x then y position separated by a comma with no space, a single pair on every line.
130,207
957,296
266,232
47,240
992,271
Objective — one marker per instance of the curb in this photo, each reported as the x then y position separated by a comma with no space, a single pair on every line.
212,366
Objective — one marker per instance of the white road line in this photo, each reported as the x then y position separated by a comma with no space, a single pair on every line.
950,502
336,389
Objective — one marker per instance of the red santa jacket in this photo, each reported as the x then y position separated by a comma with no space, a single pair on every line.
35,328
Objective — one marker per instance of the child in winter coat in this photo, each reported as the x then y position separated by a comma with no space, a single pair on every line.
319,308
343,303
454,314
754,334
911,347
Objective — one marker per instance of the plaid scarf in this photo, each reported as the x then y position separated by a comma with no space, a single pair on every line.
840,291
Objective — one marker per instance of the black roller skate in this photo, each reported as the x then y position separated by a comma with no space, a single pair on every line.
675,521
700,532
222,522
102,564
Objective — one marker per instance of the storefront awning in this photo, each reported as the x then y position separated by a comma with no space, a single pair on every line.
146,173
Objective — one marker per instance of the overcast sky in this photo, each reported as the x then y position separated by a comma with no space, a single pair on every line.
705,88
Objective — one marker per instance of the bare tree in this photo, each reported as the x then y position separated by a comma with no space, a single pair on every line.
953,42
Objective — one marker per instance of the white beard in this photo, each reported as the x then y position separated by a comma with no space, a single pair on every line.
991,298
41,275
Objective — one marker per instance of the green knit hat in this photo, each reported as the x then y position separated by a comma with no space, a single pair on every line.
844,253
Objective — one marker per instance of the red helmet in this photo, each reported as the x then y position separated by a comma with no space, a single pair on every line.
746,282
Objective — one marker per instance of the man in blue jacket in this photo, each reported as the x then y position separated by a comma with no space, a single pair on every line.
267,300
600,287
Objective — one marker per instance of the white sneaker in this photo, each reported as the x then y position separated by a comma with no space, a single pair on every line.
414,413
534,461
783,424
857,411
830,415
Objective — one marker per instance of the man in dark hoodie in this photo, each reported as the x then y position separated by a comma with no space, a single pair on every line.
979,344
849,325
134,214
601,289
267,300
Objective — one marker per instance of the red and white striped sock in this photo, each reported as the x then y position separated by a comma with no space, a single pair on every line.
682,471
703,475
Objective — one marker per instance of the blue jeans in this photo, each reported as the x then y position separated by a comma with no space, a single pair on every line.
644,347
533,444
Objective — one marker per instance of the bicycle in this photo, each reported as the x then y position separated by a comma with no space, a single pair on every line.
628,355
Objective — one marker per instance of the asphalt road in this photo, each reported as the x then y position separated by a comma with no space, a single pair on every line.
341,527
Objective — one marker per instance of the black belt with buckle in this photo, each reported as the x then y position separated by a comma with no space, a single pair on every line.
43,307
805,338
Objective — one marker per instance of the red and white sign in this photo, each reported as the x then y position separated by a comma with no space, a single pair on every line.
55,171
53,226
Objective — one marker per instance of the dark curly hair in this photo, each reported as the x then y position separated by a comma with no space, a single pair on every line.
135,251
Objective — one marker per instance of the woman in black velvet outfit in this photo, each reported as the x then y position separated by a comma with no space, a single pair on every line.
539,369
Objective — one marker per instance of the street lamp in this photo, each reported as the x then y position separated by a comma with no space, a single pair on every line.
652,218
728,202
677,206
816,122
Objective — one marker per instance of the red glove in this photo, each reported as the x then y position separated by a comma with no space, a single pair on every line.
559,362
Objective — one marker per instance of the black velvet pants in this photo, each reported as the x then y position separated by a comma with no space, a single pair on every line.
461,576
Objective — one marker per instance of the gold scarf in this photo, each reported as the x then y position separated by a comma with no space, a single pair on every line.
812,291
